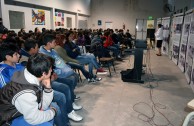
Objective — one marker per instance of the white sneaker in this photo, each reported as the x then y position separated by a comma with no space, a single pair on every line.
74,116
92,80
76,107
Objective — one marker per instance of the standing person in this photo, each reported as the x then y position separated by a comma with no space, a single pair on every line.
159,38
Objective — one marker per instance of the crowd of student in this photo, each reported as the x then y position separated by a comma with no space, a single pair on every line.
37,72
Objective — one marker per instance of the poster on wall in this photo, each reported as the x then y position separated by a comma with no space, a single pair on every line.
184,40
165,43
108,24
150,24
177,24
38,17
59,19
190,51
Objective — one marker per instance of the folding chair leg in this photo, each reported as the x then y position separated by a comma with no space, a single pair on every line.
109,70
80,76
113,67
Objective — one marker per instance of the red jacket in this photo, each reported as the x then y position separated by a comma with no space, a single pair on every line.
108,42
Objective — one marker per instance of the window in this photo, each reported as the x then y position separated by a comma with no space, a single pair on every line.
16,19
69,22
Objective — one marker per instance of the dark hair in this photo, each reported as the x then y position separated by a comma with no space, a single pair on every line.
38,64
29,43
7,49
47,38
159,25
43,30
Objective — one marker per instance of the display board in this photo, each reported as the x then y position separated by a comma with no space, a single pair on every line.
184,41
165,43
190,51
176,36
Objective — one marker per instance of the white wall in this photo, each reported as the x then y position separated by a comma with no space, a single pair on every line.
0,10
69,5
27,15
124,11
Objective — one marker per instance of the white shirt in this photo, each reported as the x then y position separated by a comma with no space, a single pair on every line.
159,34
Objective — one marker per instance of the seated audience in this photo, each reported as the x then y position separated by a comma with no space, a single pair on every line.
73,51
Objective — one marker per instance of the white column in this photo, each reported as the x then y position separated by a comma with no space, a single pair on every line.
76,21
53,18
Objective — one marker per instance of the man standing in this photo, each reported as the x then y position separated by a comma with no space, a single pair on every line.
159,38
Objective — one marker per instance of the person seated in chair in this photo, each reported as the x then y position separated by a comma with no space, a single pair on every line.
29,103
73,62
63,94
73,51
108,44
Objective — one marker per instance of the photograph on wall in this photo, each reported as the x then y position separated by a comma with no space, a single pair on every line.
190,51
166,35
192,28
186,29
38,17
150,24
99,22
177,24
192,76
184,41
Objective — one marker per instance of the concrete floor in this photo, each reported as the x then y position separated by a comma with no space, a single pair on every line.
110,102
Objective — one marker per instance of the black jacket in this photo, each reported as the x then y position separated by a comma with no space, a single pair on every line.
9,94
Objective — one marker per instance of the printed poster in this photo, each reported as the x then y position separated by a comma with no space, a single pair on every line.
38,17
190,51
177,24
166,35
59,19
192,77
184,41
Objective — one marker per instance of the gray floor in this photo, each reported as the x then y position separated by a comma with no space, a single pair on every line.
110,102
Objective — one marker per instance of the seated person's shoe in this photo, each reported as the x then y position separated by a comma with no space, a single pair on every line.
101,71
76,107
74,116
77,98
92,80
98,79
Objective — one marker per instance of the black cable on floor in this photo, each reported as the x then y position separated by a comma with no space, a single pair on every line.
155,107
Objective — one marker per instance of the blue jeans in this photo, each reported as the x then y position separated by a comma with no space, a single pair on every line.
71,81
115,49
61,119
63,88
88,59
80,67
